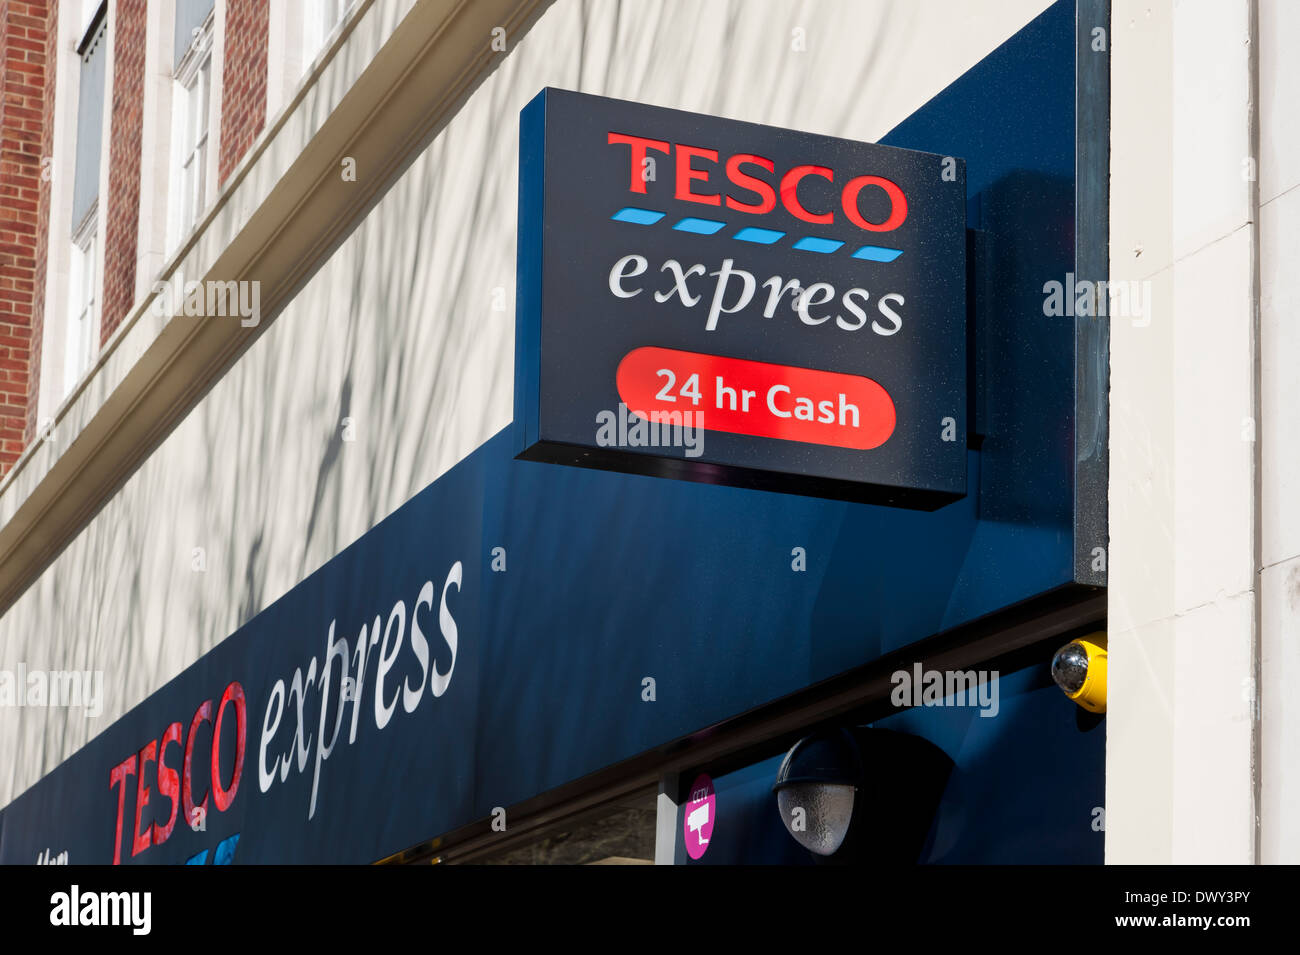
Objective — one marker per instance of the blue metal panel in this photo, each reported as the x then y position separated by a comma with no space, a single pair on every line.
1026,782
611,578
1012,117
1023,789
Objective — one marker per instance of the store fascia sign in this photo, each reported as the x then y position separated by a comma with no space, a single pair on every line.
738,304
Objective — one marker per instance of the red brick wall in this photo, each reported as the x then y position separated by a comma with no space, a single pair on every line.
121,225
243,84
22,139
43,218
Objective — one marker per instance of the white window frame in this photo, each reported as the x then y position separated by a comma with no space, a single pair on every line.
85,16
299,32
192,135
82,328
320,18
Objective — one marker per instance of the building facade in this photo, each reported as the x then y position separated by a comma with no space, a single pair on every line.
258,285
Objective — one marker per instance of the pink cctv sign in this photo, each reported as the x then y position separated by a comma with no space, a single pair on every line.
701,809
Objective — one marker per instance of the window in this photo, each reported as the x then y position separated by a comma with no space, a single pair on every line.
83,307
298,32
90,117
87,13
82,329
190,119
319,18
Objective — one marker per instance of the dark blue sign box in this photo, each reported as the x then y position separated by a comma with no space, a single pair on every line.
610,578
697,259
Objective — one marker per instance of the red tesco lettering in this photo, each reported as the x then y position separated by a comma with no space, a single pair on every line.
176,787
695,170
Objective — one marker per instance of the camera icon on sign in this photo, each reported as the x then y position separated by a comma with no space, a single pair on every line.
697,820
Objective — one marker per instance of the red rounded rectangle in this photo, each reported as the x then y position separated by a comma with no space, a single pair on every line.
757,398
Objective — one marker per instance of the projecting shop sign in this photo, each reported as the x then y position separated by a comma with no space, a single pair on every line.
738,304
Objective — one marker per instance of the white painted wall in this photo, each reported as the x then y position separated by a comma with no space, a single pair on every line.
397,332
1279,241
1181,759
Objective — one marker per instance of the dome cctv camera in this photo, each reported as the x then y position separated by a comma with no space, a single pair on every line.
861,795
1079,669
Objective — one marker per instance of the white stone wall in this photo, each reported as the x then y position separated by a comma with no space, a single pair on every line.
1279,268
1186,501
